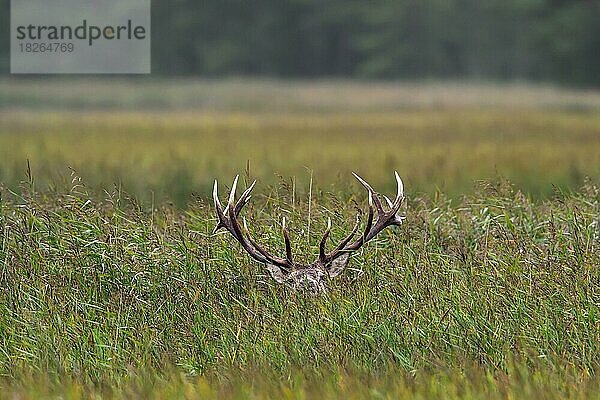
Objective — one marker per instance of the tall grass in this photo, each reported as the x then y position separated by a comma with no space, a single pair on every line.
519,382
97,289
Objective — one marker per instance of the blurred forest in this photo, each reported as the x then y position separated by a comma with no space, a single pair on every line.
534,40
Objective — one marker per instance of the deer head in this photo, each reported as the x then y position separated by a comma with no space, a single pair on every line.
314,276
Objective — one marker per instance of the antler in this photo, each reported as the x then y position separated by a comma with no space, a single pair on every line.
378,218
384,219
228,220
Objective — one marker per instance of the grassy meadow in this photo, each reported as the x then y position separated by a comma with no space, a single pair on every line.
171,155
111,284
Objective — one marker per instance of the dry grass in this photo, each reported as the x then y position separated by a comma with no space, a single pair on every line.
252,95
175,154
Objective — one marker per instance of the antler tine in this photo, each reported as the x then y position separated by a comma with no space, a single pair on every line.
347,239
399,195
363,238
216,196
230,203
343,243
288,245
244,198
368,225
388,201
372,228
322,256
231,196
372,193
231,224
219,208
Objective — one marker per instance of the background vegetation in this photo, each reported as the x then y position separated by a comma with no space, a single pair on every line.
539,40
148,140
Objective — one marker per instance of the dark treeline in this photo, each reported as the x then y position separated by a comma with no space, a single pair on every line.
539,40
548,40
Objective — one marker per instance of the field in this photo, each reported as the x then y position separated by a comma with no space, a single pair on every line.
112,285
171,155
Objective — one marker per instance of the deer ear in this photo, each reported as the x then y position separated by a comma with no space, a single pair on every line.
276,272
337,266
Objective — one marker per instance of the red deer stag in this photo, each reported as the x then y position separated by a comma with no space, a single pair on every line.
314,276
